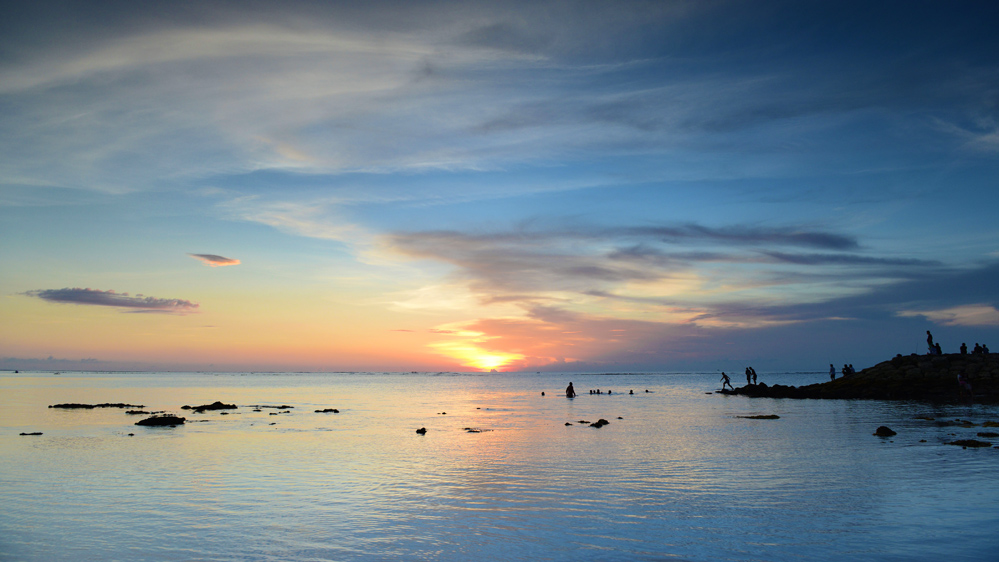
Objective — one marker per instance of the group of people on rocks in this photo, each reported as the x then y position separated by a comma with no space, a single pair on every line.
750,378
847,370
934,348
978,350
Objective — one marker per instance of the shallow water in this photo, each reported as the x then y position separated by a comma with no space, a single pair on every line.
679,477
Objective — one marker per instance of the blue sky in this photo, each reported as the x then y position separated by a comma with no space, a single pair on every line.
536,185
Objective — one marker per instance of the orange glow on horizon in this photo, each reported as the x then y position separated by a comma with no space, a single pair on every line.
471,355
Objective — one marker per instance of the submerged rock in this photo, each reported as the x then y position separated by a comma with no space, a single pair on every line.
162,420
761,417
33,433
970,443
422,431
217,405
599,423
328,411
884,431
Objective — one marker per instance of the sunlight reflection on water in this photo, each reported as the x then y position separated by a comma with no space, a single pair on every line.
680,475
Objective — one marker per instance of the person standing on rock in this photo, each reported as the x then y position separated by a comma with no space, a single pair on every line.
749,376
832,372
752,370
929,342
725,380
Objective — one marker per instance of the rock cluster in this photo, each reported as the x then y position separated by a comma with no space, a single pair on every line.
912,377
217,405
161,421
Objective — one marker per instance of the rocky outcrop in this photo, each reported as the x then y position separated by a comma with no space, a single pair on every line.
912,377
161,421
217,405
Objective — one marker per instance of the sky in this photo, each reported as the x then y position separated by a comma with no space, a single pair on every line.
519,186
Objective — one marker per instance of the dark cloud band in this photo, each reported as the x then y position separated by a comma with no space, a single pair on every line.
138,303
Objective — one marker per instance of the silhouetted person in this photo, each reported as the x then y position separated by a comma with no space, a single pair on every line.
936,347
832,372
725,380
845,370
852,370
754,374
964,386
977,350
964,348
929,341
570,392
749,376
985,349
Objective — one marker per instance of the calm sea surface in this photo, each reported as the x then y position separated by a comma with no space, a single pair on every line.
676,475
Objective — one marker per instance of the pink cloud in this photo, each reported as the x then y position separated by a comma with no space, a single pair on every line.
215,260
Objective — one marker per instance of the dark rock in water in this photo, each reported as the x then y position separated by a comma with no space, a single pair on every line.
599,423
213,406
762,417
282,407
92,406
136,412
583,421
568,423
884,431
33,433
328,411
989,434
131,435
970,443
161,420
422,431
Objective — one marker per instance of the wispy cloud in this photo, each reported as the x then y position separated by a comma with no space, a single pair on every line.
96,297
214,260
589,291
970,315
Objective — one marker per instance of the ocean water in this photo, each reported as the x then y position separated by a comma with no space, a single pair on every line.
676,475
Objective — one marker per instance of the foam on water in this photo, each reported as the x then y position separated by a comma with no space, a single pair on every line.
681,476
